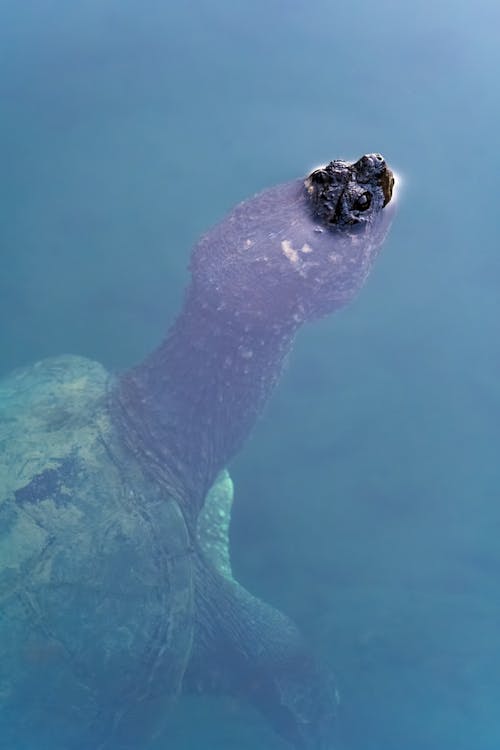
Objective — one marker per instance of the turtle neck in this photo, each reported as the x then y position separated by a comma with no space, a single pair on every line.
188,407
295,252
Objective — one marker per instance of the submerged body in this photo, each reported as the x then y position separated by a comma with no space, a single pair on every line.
115,579
97,602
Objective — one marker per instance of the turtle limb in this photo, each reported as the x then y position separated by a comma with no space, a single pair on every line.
246,648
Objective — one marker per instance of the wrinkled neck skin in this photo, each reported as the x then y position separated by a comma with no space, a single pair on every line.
189,406
187,409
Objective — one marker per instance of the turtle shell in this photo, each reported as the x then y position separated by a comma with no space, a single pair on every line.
96,569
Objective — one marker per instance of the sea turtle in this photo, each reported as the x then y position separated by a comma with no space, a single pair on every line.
115,581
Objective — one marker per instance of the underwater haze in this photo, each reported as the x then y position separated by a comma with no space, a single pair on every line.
367,501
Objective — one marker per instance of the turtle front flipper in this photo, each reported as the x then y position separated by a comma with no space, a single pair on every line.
246,648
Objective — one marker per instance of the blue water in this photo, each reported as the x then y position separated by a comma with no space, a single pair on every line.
367,499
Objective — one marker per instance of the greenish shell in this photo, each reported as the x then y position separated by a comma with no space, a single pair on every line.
96,570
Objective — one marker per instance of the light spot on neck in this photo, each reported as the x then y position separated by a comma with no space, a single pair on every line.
291,253
288,250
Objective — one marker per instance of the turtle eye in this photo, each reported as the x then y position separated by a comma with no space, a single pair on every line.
363,202
320,177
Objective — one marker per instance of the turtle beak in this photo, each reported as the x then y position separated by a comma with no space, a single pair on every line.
387,184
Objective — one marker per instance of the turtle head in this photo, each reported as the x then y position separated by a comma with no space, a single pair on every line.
351,207
301,249
347,195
